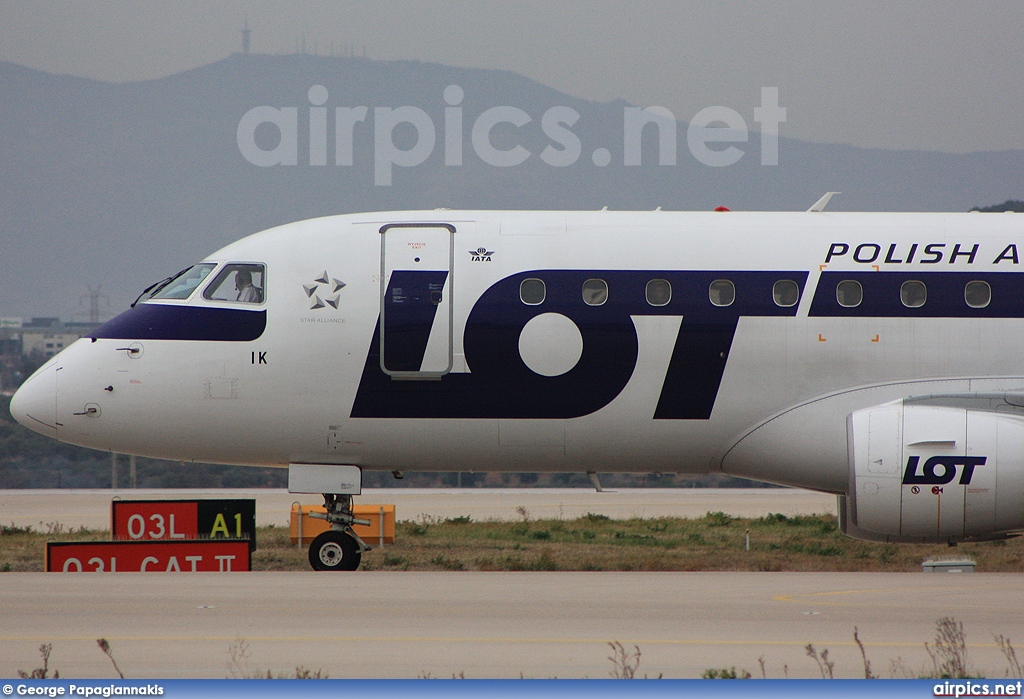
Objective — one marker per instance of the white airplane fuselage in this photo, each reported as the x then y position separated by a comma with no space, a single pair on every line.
559,341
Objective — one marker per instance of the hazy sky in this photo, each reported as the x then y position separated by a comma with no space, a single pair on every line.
921,74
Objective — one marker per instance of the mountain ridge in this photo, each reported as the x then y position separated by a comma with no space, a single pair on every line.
120,184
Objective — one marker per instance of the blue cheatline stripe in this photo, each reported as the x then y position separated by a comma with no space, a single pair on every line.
945,295
156,321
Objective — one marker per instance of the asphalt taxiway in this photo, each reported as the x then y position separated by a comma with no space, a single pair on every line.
384,624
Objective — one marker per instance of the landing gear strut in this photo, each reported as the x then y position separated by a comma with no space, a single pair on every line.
340,548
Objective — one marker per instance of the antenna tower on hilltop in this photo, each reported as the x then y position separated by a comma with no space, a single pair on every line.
94,297
245,36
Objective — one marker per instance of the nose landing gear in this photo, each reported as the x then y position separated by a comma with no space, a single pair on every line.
340,548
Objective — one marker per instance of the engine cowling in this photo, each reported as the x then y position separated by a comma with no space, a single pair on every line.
935,469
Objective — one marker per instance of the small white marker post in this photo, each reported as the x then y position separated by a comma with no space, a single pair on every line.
381,525
299,545
748,540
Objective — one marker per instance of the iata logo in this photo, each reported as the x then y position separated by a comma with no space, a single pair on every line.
480,255
940,470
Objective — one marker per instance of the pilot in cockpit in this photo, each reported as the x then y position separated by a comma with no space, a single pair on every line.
247,293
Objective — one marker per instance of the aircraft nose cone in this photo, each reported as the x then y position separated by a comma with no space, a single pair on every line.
34,405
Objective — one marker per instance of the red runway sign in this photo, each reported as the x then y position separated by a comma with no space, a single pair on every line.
181,520
154,520
208,555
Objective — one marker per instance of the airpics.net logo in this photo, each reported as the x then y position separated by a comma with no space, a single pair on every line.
711,135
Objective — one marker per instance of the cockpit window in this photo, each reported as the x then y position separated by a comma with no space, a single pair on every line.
181,285
242,282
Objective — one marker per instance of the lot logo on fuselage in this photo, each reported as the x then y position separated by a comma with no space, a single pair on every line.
501,385
940,470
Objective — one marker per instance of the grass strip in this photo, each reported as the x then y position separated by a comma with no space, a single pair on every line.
715,542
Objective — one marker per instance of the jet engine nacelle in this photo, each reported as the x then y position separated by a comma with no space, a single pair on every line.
921,471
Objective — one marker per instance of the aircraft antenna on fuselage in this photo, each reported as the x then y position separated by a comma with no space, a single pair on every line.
823,202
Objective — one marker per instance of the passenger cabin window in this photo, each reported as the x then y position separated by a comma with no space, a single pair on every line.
659,292
913,294
595,292
786,293
849,293
978,294
241,282
722,292
532,292
181,285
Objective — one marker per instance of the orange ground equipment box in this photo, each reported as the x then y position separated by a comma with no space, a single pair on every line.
310,527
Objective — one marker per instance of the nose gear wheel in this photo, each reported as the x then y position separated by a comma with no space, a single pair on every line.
334,550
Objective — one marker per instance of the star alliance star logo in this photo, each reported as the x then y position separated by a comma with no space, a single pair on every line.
480,255
318,292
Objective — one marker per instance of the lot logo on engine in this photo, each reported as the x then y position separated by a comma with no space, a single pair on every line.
940,470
